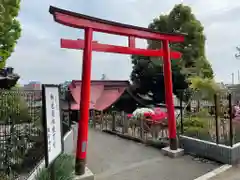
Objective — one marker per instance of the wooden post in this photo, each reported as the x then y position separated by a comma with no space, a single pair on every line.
94,119
101,120
142,127
114,121
52,171
125,122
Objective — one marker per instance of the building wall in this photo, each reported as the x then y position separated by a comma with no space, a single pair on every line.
34,98
32,86
235,90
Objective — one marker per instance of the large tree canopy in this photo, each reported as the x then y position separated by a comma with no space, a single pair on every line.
10,29
147,74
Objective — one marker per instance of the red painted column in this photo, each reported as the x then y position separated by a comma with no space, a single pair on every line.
84,105
169,96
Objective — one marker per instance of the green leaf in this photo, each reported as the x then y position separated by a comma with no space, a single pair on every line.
10,29
193,62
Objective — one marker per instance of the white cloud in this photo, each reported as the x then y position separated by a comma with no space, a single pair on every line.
38,55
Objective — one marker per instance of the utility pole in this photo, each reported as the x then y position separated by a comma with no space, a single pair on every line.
238,77
232,78
237,56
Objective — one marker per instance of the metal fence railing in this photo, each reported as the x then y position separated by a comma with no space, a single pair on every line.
141,128
65,104
21,131
210,120
21,138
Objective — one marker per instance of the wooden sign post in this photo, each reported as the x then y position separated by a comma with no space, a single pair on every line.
52,124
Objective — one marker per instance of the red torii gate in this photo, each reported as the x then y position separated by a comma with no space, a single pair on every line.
91,24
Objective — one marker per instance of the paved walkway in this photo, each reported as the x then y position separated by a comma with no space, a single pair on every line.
231,174
112,158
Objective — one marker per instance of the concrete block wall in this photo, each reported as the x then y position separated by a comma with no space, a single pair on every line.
235,154
217,152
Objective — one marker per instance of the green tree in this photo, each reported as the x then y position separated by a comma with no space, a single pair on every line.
148,78
205,87
13,106
10,29
147,74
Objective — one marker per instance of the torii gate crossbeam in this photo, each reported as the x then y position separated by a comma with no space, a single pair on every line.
91,24
79,44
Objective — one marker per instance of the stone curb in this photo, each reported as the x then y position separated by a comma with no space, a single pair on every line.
214,172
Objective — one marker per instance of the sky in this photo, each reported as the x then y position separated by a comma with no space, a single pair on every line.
38,55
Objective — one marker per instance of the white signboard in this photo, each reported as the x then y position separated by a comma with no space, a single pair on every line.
52,123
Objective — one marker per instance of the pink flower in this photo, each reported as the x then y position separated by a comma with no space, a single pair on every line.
129,115
148,114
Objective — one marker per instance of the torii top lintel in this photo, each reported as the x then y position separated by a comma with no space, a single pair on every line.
76,20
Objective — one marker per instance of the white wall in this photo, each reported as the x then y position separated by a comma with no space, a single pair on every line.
69,148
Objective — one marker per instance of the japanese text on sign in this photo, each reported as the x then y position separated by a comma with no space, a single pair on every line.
53,124
53,106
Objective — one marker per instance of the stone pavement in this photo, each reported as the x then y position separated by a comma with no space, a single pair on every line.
112,158
231,174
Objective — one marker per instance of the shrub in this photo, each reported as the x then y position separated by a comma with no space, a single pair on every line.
202,113
4,176
197,132
195,122
196,126
64,167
